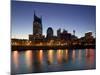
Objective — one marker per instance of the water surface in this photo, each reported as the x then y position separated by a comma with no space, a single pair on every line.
35,61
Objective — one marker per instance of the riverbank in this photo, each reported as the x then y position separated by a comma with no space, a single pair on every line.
23,48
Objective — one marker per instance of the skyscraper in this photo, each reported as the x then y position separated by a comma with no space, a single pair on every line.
58,33
49,33
37,29
37,25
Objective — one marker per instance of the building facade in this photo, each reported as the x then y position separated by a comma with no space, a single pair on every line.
37,29
49,33
37,25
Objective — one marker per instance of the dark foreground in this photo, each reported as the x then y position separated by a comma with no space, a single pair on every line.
23,48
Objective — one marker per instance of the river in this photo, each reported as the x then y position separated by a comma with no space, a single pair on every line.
38,61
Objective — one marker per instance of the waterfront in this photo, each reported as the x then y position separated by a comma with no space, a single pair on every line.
38,61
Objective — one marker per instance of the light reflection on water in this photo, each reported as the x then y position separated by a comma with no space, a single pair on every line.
59,56
80,56
50,56
29,59
66,56
73,56
52,60
15,58
90,57
40,56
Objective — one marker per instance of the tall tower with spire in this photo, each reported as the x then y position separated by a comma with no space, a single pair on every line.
37,25
37,29
74,32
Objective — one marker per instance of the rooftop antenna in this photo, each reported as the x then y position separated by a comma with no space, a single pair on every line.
73,32
34,13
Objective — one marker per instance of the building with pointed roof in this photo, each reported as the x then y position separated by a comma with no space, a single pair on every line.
37,29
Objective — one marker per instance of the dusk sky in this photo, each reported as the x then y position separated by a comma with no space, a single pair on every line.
70,17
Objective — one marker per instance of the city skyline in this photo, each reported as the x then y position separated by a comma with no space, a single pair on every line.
70,17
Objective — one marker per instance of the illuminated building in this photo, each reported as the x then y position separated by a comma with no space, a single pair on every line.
65,35
37,29
37,25
88,35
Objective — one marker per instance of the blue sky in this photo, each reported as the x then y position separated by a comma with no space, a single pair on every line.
81,18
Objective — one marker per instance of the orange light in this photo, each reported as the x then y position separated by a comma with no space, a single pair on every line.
15,56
